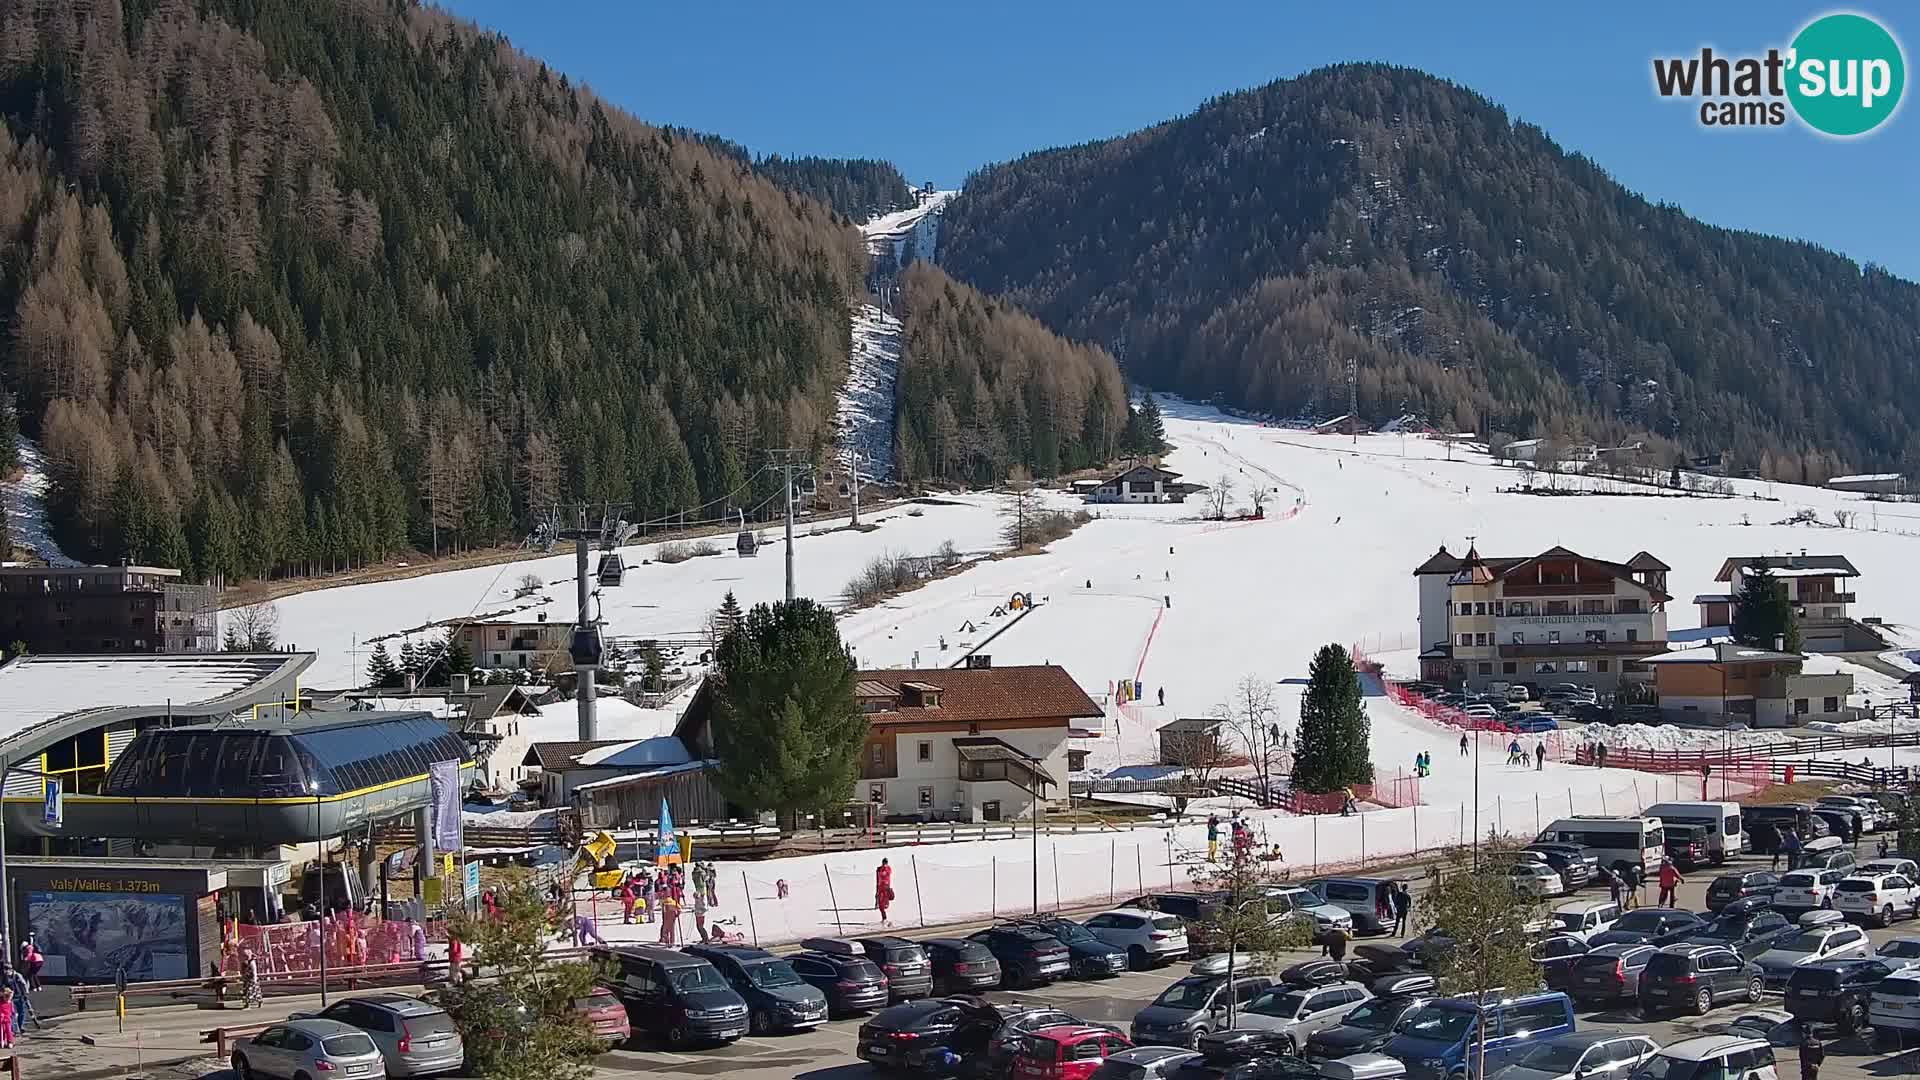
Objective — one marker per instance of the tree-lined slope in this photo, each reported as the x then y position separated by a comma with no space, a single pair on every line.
1477,273
290,286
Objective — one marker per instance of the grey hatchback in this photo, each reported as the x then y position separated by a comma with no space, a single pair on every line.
416,1038
308,1048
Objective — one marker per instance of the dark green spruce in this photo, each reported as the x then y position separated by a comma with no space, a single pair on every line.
1330,747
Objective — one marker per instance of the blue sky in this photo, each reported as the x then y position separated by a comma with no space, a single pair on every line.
943,89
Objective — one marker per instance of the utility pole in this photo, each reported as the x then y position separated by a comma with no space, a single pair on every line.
1353,399
585,648
854,454
789,462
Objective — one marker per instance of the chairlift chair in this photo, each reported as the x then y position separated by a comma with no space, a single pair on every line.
747,544
612,569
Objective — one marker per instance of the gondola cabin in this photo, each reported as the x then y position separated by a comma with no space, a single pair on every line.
613,569
747,544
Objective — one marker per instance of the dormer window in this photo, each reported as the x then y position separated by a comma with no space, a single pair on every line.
919,695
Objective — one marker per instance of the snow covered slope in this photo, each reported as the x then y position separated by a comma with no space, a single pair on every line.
920,223
865,415
27,507
1246,599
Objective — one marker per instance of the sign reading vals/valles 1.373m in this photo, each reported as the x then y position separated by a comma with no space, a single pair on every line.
1842,75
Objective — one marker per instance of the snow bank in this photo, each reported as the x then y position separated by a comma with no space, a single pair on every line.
26,500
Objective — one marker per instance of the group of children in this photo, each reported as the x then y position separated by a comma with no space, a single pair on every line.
1239,837
648,894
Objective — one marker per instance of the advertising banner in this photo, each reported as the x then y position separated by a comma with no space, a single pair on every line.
443,813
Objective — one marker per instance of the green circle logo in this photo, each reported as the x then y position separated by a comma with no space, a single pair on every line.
1847,74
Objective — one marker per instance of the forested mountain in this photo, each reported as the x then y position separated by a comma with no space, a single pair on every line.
856,188
297,285
1476,273
985,389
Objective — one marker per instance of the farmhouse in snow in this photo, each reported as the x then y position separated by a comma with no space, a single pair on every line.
1143,484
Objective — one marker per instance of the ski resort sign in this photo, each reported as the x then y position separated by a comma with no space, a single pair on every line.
1842,75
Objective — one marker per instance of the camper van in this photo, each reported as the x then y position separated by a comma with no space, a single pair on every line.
1615,841
1721,820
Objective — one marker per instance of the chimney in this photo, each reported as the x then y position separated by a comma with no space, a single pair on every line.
413,680
1779,643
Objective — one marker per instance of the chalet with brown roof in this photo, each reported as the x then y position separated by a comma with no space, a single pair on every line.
1143,484
1819,587
970,744
1555,617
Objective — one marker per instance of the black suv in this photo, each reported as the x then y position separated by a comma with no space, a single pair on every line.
1835,991
1739,886
841,971
672,994
909,972
1695,978
961,966
1088,957
1027,956
1371,1026
1649,926
1687,846
1746,930
1570,861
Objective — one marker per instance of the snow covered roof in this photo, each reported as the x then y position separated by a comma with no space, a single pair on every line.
35,690
1723,652
1781,564
645,774
1714,598
664,750
1864,478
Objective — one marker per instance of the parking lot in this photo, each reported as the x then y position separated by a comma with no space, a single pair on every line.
827,1053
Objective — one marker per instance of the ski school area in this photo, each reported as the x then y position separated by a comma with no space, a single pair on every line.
1160,614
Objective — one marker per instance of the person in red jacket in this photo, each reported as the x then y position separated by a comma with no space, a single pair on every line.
1669,878
883,889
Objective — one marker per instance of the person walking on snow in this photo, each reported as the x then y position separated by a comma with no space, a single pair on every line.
1540,756
1669,878
883,889
1163,696
628,898
1463,744
1213,837
669,916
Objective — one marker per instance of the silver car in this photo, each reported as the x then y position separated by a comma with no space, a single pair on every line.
310,1049
1581,1054
416,1038
1299,1011
1833,941
1144,1063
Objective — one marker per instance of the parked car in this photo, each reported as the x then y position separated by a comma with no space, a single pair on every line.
1826,853
1645,925
1906,868
415,1038
1776,1027
1369,1027
1295,1013
1844,825
1610,973
1835,991
605,1017
1088,956
311,1047
1028,956
1894,1006
1293,902
1147,937
1901,952
909,973
1308,974
1746,930
1358,896
1015,1021
902,1037
1696,978
1584,918
1582,1055
1864,812
1435,1042
961,966
1688,845
1877,899
1806,890
840,970
673,994
1740,885
1834,941
1710,1056
1572,862
1192,1007
1535,879
1144,1063
1557,956
777,998
1065,1052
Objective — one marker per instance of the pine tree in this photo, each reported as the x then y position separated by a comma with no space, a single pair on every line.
726,617
381,671
654,665
1764,617
1153,427
1331,748
457,658
787,730
409,659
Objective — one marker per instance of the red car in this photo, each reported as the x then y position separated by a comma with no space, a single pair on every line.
1065,1052
606,1015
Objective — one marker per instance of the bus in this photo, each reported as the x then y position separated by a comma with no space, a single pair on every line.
1615,841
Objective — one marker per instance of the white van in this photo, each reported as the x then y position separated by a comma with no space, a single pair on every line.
1721,820
1615,841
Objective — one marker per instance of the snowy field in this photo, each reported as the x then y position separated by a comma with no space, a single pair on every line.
1152,593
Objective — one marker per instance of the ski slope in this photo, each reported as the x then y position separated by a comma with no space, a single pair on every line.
1191,607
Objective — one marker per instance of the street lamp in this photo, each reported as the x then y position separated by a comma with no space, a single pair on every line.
320,864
